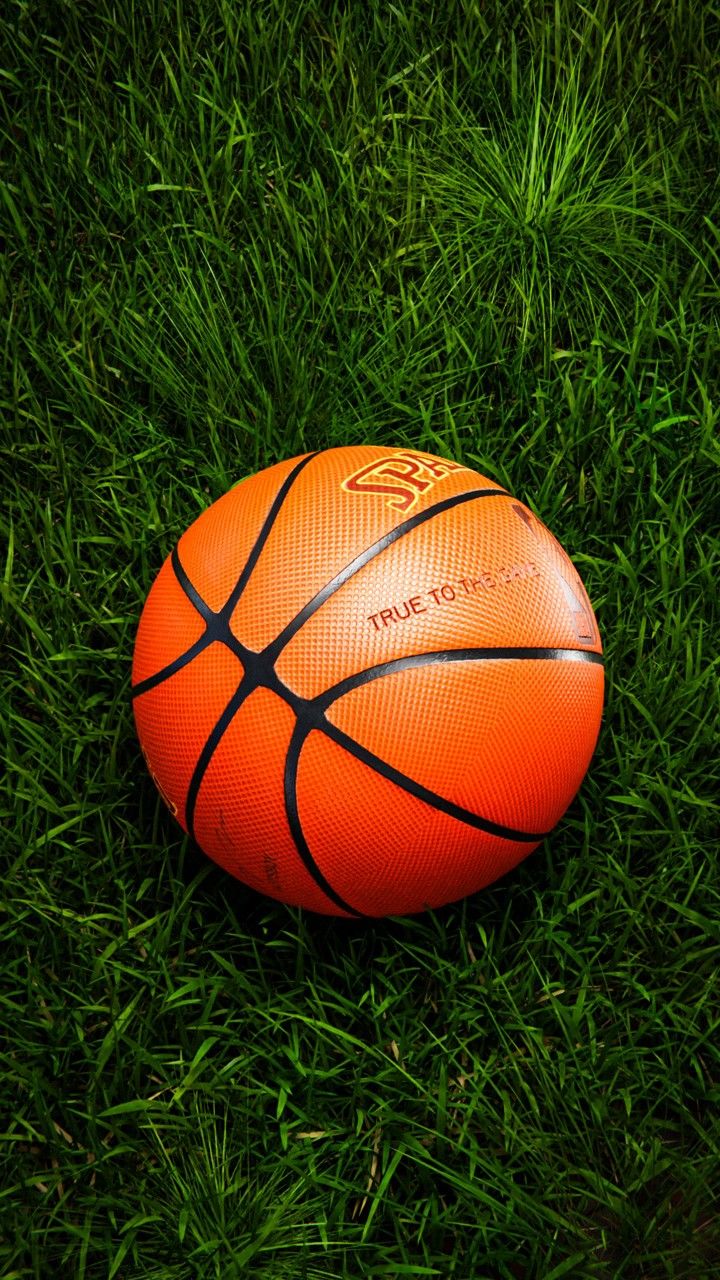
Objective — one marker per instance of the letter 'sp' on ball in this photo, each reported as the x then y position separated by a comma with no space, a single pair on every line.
368,681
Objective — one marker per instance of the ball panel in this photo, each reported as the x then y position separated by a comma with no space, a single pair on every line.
169,625
542,544
470,577
509,740
240,818
174,720
385,851
323,526
215,549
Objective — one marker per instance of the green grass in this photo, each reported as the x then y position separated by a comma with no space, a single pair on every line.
235,232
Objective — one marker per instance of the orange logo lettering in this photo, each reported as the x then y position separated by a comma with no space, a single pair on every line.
401,478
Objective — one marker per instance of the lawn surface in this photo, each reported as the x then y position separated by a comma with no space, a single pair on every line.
236,232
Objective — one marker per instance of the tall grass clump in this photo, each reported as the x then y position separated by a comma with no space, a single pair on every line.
547,219
203,1209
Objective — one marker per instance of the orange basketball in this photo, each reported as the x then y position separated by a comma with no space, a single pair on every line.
367,681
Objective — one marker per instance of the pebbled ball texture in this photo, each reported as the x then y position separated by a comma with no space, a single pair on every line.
368,681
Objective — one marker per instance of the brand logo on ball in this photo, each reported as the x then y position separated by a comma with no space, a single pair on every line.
401,478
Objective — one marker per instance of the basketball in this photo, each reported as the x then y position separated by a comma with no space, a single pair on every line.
367,681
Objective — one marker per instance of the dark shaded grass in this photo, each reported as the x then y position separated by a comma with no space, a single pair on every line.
233,234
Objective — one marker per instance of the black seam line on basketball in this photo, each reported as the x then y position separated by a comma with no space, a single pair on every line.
274,649
209,615
263,535
144,686
222,723
191,592
438,657
212,632
292,758
423,793
220,633
202,642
